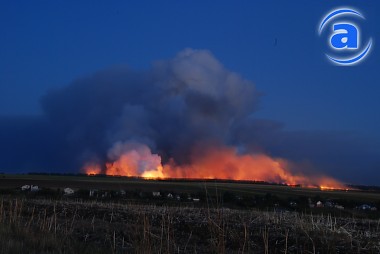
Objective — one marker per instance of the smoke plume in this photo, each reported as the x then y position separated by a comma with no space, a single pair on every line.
184,117
176,104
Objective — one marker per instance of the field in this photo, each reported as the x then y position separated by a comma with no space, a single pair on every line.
123,216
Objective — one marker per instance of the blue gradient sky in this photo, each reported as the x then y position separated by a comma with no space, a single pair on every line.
45,45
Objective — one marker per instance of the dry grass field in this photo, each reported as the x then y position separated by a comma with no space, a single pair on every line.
47,222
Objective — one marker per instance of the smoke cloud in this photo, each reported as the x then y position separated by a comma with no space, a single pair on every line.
176,105
186,116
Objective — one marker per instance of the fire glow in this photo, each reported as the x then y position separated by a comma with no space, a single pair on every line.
92,169
134,159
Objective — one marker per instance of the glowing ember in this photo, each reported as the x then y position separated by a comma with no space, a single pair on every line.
153,174
134,159
322,187
333,187
92,169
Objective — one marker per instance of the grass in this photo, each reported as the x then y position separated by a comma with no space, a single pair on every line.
117,183
45,226
48,222
19,234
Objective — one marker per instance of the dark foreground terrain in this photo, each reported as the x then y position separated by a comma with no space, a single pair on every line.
124,217
43,226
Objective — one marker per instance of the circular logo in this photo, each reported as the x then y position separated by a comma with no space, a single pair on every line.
345,39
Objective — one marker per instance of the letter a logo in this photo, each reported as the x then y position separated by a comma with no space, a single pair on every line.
347,46
345,36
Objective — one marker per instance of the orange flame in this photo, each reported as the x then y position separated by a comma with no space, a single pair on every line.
154,174
215,163
92,169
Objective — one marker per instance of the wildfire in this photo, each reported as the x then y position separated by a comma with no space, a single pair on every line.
92,169
213,163
153,174
335,187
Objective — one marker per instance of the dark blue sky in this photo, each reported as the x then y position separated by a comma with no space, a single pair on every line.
45,45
